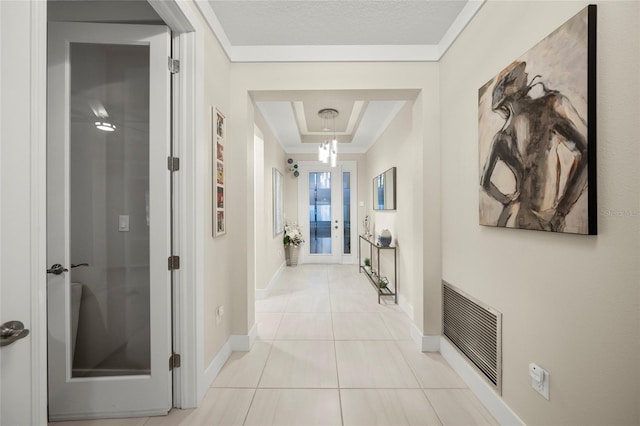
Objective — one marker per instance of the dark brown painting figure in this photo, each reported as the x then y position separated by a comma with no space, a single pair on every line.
528,143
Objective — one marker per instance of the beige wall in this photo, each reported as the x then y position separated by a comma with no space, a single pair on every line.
569,303
401,146
269,248
220,275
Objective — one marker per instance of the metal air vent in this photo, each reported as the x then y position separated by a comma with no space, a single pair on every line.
475,329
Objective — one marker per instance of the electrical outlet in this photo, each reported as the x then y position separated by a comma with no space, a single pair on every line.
219,314
539,380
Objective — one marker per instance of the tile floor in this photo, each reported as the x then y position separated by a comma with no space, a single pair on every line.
328,354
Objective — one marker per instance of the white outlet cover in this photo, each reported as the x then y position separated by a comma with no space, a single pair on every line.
539,380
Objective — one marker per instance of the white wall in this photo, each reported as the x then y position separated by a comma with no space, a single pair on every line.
569,303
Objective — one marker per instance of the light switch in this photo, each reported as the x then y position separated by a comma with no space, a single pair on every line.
123,223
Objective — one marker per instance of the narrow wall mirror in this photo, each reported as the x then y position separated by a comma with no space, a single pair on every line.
384,190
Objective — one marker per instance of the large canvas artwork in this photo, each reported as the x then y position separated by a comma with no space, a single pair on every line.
537,129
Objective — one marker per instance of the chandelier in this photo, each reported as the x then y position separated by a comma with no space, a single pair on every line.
328,149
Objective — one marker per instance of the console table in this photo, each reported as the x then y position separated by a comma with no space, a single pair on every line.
375,274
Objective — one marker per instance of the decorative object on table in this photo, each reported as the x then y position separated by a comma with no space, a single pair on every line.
367,261
383,282
385,238
292,241
278,203
366,226
537,135
384,190
293,167
219,132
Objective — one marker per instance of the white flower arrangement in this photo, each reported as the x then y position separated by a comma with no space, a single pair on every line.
292,235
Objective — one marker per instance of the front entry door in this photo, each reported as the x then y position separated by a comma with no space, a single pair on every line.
327,212
108,226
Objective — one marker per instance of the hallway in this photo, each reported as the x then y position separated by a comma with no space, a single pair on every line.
328,354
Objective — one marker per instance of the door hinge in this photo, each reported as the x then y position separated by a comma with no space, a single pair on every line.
174,361
173,164
174,262
174,65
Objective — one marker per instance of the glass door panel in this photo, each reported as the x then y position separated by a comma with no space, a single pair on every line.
320,213
346,213
108,197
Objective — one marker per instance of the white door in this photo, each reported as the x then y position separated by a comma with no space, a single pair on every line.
22,296
327,211
108,228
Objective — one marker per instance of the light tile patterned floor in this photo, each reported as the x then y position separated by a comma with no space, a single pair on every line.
329,354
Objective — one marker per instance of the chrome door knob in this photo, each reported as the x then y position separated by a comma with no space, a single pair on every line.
12,331
57,269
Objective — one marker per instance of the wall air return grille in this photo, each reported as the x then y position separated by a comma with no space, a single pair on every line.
475,330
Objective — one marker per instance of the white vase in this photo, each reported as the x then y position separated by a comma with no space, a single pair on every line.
291,255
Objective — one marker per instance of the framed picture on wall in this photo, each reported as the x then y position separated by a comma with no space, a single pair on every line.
278,203
218,133
537,135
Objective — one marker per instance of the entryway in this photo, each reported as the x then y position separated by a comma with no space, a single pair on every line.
326,210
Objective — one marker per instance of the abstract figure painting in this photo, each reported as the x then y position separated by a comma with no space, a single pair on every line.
537,130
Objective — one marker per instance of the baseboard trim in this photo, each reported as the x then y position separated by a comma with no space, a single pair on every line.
405,306
243,342
211,372
235,343
489,398
263,293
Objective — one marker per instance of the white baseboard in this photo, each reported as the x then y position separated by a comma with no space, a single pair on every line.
263,293
211,372
489,398
405,306
424,343
235,343
243,342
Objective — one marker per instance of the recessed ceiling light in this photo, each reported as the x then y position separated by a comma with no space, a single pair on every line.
105,126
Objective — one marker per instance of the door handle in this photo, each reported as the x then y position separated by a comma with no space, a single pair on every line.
57,269
79,264
12,331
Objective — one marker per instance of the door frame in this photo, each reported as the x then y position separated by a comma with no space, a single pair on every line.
303,193
189,124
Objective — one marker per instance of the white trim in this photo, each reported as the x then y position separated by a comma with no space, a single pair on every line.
38,141
243,342
213,369
174,14
464,17
189,212
235,343
487,396
106,415
405,305
210,17
263,293
424,343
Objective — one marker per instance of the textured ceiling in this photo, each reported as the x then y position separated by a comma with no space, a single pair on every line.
329,30
248,23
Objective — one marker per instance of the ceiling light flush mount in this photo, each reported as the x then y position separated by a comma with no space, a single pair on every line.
105,126
328,149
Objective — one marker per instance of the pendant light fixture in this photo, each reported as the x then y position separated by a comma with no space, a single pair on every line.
328,149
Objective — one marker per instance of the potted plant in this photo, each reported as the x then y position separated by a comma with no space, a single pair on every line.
292,240
367,261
